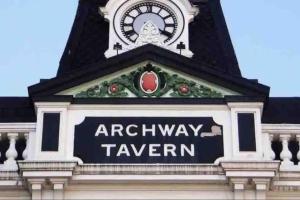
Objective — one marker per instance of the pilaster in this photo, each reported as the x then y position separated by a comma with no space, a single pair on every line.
261,187
58,188
242,174
239,185
53,174
36,188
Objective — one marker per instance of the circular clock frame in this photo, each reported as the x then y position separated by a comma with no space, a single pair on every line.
170,37
162,16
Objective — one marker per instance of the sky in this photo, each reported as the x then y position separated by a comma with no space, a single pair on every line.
265,34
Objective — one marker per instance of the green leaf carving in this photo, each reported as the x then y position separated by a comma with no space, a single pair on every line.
172,84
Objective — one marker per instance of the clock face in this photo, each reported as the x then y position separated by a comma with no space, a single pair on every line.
160,15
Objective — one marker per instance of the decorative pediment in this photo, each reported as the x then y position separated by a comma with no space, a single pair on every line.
173,64
149,81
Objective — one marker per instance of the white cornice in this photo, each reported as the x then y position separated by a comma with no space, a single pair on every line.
281,128
143,169
51,104
246,105
147,107
17,127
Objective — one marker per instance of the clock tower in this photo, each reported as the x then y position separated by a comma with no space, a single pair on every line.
195,29
138,22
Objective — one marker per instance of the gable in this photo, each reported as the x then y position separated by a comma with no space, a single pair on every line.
148,80
148,53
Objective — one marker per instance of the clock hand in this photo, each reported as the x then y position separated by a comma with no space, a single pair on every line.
166,33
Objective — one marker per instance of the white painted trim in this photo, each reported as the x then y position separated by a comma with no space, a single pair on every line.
51,108
281,128
124,107
17,127
247,105
77,113
50,105
256,109
151,178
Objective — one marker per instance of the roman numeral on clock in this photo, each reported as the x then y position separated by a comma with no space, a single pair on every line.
130,33
149,9
128,24
170,25
138,9
153,11
166,17
166,33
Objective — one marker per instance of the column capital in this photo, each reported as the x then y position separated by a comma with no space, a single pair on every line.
58,187
36,183
271,136
12,135
36,187
239,183
250,169
239,186
261,184
283,137
26,135
59,183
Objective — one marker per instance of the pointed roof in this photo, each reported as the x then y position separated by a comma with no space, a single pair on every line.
209,38
148,53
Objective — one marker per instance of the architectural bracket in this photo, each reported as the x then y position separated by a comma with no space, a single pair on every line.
39,175
244,174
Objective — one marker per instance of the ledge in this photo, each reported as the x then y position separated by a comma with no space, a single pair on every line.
17,127
149,169
149,173
9,176
46,169
46,165
250,169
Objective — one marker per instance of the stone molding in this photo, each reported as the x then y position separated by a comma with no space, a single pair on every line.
9,175
257,175
150,169
47,165
258,166
277,129
17,127
262,175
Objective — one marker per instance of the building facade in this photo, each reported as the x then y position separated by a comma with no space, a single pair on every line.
149,103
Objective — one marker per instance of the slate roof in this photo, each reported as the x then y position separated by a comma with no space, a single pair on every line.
152,53
209,38
282,110
16,109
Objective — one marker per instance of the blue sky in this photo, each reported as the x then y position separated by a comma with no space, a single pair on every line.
265,33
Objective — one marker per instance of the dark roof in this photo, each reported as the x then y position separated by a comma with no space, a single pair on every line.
209,38
279,110
16,109
151,53
88,39
148,101
282,110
